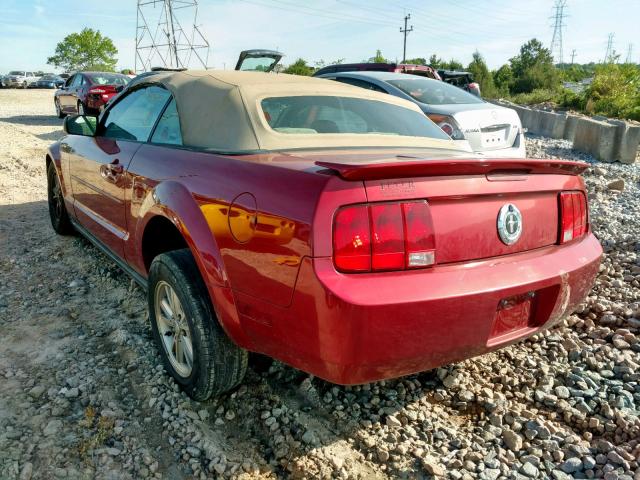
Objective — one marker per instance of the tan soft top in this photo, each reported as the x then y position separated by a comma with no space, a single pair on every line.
221,110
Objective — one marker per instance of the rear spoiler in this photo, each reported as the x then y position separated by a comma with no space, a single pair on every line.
433,168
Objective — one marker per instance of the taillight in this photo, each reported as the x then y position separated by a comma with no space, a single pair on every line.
352,239
573,216
102,89
383,237
447,124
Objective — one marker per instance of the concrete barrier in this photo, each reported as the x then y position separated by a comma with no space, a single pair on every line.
608,140
570,127
627,140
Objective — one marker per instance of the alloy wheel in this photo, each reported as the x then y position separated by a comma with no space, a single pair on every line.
173,328
56,200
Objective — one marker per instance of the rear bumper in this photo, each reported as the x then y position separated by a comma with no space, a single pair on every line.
98,101
359,328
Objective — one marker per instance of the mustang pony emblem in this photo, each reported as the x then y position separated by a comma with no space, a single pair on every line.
509,224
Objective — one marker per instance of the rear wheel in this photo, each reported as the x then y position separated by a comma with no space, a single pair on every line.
194,348
59,111
57,209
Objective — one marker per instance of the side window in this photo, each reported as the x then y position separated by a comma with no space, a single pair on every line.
167,131
360,83
133,117
77,80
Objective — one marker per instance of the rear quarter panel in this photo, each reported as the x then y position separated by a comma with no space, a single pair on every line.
256,213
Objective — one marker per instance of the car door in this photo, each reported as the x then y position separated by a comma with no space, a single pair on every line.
66,97
98,164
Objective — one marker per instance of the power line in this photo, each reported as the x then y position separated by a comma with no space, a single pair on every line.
165,42
405,32
556,41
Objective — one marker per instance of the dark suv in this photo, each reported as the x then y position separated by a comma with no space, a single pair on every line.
464,80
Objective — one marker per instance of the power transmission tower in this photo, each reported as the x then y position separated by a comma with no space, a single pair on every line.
556,41
608,57
161,39
405,31
629,52
573,55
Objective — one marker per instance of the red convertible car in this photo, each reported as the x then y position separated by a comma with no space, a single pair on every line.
331,227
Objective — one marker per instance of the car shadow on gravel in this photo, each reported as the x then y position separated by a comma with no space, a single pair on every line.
34,120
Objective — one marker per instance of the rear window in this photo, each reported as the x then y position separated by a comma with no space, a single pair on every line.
106,79
434,92
345,115
16,72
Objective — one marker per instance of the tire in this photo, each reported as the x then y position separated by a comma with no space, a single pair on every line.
59,111
57,210
217,365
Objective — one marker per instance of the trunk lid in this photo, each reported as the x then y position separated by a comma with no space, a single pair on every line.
489,128
258,60
466,196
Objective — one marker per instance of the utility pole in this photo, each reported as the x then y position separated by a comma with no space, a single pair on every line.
629,52
608,56
573,55
556,41
405,31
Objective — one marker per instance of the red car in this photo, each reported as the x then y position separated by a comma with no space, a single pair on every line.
331,227
87,92
411,68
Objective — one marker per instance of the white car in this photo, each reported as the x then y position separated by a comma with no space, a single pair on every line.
19,78
490,130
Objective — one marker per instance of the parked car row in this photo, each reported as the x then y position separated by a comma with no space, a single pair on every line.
326,223
27,79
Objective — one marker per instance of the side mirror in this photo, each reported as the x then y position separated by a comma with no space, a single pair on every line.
80,125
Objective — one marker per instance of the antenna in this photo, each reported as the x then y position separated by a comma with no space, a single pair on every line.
161,40
556,41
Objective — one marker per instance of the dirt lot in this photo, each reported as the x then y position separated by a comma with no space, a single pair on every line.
83,395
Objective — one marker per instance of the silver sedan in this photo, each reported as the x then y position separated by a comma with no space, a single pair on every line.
488,129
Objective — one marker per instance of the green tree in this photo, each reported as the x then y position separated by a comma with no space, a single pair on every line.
503,79
378,58
87,50
299,67
533,69
482,75
436,62
452,65
416,61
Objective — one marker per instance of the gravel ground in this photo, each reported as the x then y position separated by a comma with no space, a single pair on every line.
83,395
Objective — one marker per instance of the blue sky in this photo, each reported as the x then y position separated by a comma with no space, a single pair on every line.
331,29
